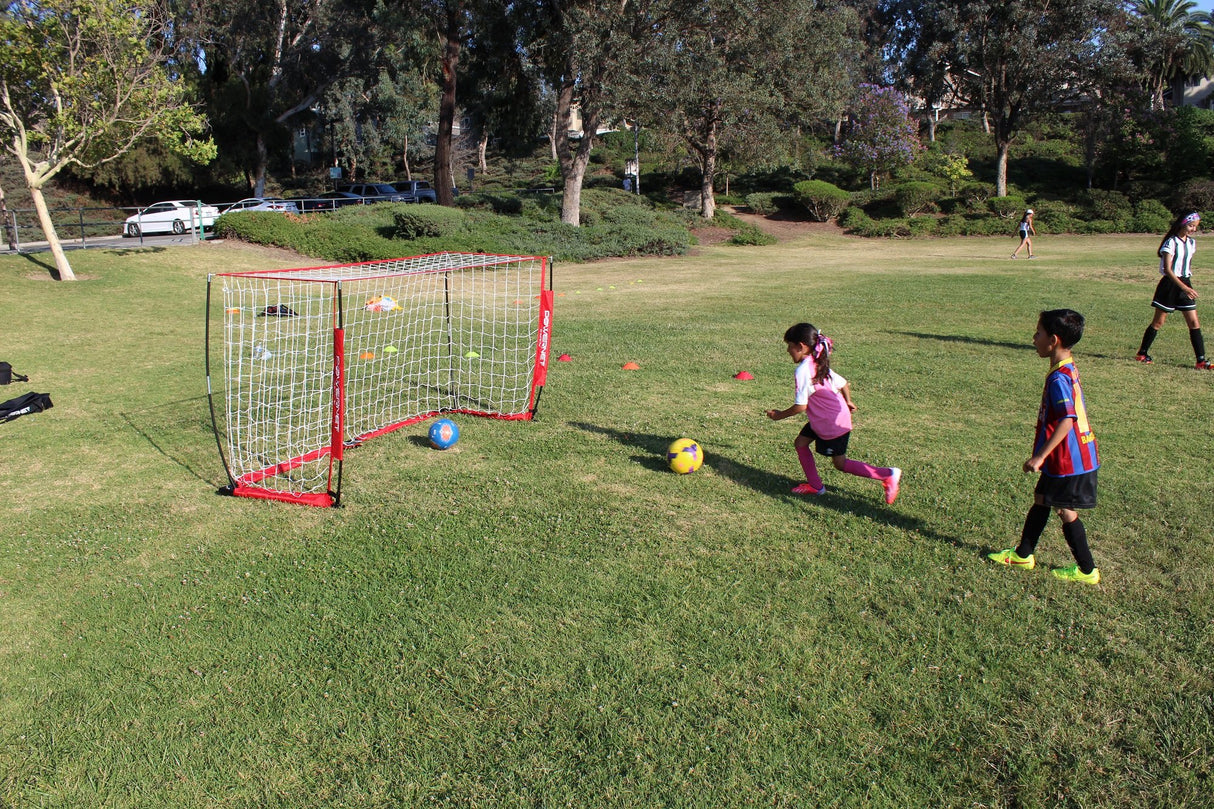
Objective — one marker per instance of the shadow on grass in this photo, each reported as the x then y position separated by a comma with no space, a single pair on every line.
181,433
49,266
960,338
778,486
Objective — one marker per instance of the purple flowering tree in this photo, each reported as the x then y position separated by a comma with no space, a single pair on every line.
882,135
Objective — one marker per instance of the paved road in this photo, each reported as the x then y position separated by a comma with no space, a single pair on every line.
108,243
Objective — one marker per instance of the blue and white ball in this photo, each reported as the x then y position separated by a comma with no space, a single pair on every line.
443,434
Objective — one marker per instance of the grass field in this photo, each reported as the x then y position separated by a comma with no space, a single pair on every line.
544,616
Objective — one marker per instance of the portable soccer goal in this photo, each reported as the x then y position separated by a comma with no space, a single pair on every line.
317,360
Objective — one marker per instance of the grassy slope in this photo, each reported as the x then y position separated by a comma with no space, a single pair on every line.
545,616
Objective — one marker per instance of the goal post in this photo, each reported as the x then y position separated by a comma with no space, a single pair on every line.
319,359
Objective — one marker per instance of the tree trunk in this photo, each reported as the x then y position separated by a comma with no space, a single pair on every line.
10,232
1002,146
52,238
482,146
446,109
708,175
573,163
404,157
263,158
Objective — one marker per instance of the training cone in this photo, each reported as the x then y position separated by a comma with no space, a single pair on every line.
743,375
472,355
367,355
631,366
564,358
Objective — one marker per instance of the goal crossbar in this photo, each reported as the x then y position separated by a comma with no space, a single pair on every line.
318,359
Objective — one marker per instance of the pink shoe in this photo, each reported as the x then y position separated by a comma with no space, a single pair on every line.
805,488
891,484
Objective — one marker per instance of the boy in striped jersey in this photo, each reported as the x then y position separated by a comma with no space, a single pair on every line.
1064,452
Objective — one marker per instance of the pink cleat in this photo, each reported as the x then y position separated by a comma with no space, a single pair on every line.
805,488
891,484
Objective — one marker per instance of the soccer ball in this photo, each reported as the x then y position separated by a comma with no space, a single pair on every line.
443,434
684,456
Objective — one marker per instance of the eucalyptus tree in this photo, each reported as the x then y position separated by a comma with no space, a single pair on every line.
584,50
81,83
267,64
1174,40
733,74
1009,59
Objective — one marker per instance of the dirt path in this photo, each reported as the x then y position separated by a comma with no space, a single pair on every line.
785,227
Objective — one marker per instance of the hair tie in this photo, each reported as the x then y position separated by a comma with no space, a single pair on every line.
823,345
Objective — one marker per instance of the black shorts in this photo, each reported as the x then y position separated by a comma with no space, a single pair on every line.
827,446
1075,491
1169,298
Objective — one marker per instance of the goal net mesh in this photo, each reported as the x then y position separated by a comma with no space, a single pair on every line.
317,359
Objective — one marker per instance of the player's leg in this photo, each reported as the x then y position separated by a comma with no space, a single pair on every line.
1196,338
813,483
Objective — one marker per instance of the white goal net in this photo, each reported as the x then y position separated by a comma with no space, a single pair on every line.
318,359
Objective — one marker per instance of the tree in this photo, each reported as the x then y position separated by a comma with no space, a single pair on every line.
580,47
1010,60
732,74
82,82
1174,41
882,137
267,63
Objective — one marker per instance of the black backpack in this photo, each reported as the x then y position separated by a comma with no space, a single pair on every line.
24,404
7,374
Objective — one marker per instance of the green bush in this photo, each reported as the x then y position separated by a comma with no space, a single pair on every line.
1104,204
916,197
952,225
770,202
823,200
1006,207
1195,195
425,221
853,218
922,225
1151,216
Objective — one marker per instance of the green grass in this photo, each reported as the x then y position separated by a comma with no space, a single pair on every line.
545,616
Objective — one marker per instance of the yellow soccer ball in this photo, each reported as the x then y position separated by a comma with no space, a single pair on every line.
684,456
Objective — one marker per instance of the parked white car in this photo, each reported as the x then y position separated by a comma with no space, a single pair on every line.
174,216
263,204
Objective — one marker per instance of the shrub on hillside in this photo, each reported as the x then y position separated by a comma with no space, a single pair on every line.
853,218
1195,195
1151,216
426,221
915,198
976,194
823,200
767,203
1104,204
1006,207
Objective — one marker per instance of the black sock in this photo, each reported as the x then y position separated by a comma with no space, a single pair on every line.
1199,344
1148,337
1034,524
1077,538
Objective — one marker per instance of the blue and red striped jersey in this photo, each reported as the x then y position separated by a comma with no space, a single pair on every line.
1063,399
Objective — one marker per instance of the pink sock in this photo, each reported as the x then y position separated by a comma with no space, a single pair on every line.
806,456
863,470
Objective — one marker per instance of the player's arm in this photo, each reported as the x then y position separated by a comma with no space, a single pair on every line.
1063,429
845,392
776,415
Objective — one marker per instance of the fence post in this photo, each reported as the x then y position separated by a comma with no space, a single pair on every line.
80,214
